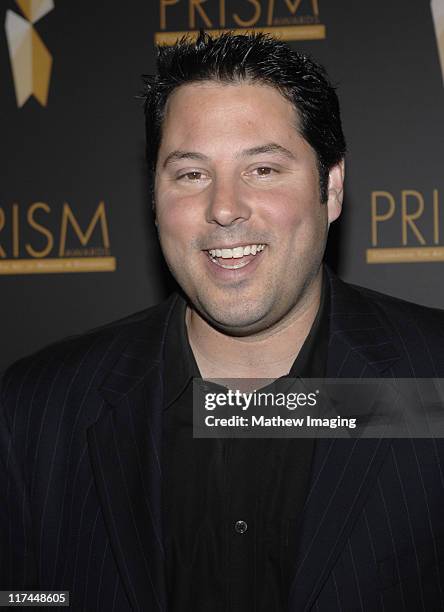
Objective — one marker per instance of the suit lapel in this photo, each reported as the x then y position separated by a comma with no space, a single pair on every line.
125,451
343,469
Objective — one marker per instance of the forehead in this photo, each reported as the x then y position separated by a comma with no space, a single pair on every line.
208,114
194,102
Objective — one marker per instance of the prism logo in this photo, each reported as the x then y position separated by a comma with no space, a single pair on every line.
289,20
31,61
438,18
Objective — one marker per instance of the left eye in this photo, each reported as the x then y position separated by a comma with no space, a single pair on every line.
191,176
264,171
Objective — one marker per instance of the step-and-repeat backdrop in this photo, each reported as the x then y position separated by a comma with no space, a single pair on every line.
77,241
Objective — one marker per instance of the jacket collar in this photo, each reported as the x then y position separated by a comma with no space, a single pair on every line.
140,350
360,343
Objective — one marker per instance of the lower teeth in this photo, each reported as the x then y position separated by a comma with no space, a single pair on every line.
235,267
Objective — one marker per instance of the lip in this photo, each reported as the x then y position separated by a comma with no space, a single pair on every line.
232,246
235,274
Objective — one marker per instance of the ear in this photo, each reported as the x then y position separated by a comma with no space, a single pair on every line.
335,191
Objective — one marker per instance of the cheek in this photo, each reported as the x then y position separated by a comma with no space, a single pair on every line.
175,219
284,210
295,217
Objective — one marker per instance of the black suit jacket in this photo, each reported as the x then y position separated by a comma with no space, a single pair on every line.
80,471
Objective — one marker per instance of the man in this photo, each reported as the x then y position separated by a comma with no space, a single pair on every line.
109,495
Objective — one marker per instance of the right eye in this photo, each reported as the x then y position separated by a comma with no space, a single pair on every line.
191,176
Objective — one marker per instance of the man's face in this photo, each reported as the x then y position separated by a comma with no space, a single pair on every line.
238,206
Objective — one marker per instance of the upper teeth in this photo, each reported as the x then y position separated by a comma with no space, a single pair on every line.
237,252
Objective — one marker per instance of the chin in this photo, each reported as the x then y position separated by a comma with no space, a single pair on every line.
239,321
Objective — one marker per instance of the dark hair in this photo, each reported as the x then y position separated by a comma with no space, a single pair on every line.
255,58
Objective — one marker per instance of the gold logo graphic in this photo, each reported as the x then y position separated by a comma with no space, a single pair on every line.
53,243
30,59
414,218
438,18
285,19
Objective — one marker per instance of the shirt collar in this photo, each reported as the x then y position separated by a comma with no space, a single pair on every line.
180,365
311,361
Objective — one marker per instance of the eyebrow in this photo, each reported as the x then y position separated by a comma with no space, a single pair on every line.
178,155
269,147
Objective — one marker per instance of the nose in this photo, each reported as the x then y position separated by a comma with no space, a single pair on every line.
227,204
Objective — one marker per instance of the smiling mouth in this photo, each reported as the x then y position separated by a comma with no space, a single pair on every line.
235,258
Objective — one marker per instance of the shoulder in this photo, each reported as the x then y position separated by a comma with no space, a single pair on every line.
347,297
397,312
416,332
385,325
79,364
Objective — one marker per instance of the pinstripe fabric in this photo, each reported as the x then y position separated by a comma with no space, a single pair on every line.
80,470
65,509
373,521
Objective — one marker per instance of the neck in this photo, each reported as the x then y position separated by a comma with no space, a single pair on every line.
268,354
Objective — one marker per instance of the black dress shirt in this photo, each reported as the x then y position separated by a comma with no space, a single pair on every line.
231,507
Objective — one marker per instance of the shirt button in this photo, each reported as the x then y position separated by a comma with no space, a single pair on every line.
240,526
